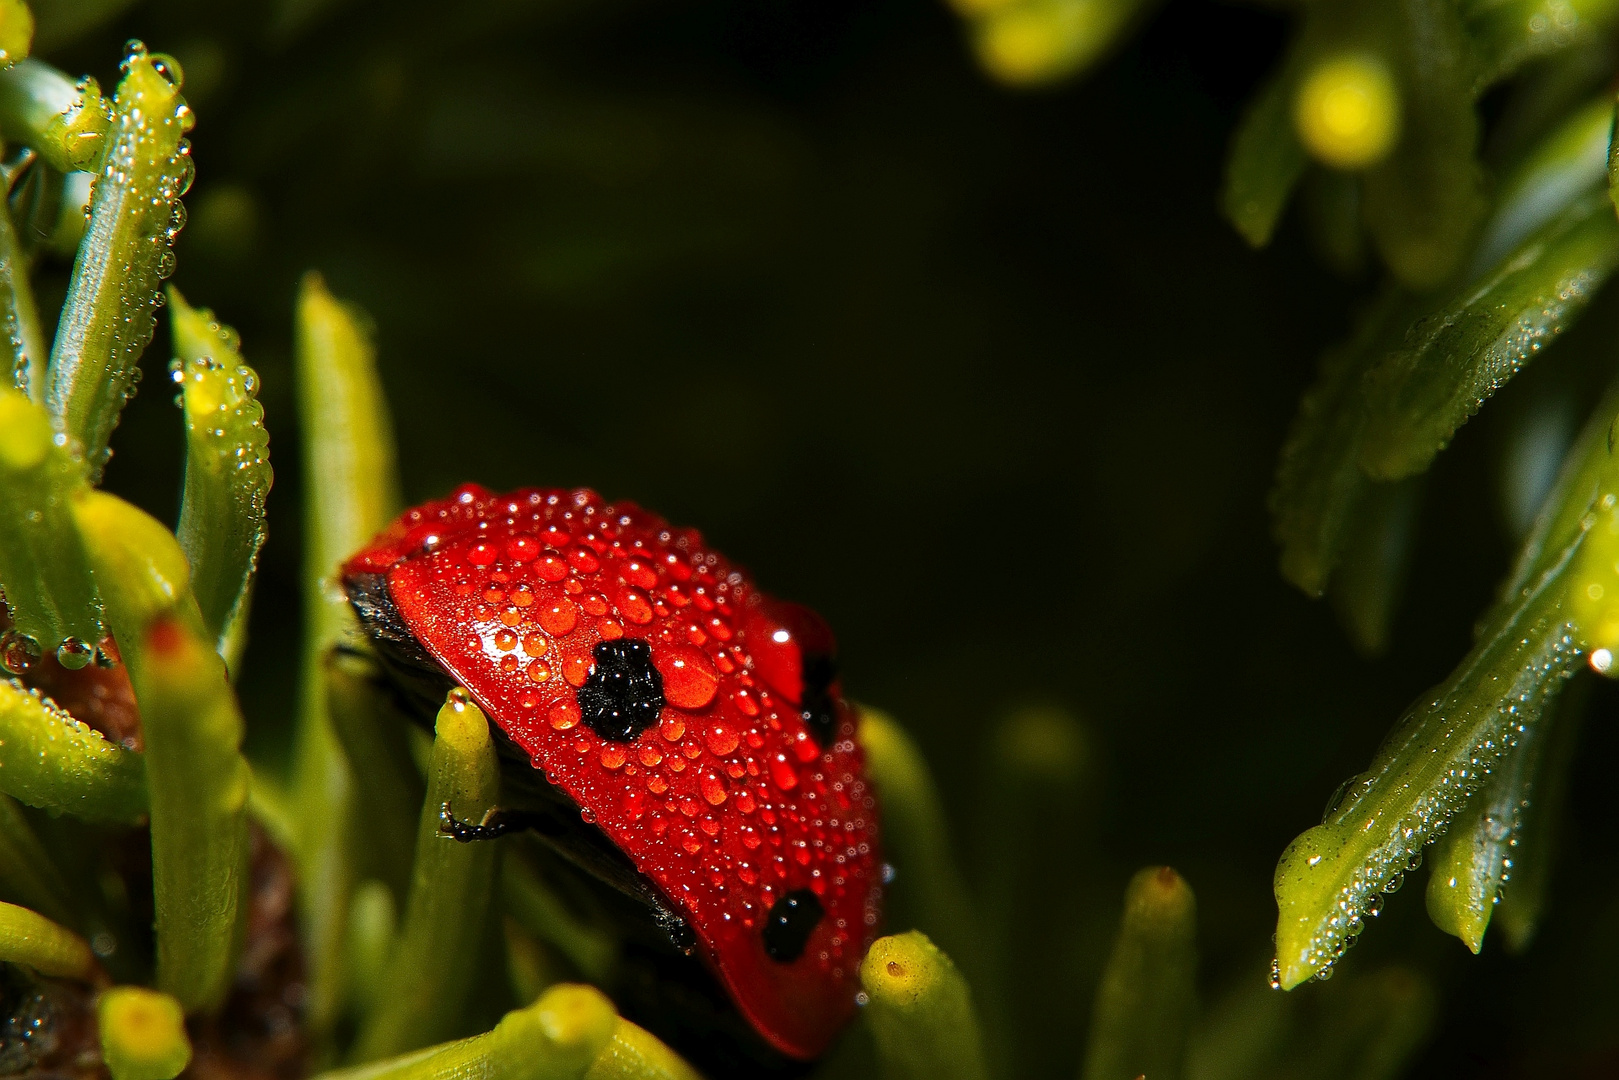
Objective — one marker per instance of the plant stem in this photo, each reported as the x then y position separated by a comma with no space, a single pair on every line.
920,1011
198,779
1145,1005
556,1038
27,937
351,490
51,760
434,969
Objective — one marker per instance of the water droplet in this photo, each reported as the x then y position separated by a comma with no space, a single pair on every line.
74,654
18,652
713,788
783,773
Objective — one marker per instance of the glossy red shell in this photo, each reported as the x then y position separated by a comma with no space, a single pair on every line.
727,803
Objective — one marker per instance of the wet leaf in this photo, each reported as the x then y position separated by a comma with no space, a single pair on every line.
1429,768
1264,163
1453,360
135,214
228,473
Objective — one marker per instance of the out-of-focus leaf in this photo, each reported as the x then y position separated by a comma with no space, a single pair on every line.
927,882
1551,177
1419,395
1146,1003
1360,1027
1506,34
16,30
228,473
1366,589
143,1034
1264,163
1035,42
1427,771
1424,201
372,729
135,214
22,343
1319,481
28,876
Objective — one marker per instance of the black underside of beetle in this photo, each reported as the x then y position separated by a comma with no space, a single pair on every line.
660,982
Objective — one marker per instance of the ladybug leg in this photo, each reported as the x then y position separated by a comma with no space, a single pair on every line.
496,823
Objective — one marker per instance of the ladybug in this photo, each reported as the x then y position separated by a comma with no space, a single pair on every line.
675,733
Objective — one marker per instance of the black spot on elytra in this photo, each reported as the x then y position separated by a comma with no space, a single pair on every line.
789,925
624,693
819,711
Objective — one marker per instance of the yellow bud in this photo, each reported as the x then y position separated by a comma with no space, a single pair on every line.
1348,111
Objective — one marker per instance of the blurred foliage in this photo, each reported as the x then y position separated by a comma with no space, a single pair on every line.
797,274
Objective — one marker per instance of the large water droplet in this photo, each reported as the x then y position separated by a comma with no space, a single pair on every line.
18,652
74,654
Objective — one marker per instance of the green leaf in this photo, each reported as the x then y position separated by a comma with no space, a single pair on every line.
28,874
537,909
1145,1005
636,1054
198,779
1264,163
435,967
1477,862
16,31
1319,482
1553,175
556,1038
43,573
135,214
143,1034
1471,345
920,1011
48,759
1366,589
228,473
67,123
1507,35
372,729
1334,875
27,937
1424,201
351,490
1541,829
22,343
927,890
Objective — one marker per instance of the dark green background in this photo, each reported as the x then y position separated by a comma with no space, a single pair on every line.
980,375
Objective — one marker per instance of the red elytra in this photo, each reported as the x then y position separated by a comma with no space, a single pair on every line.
728,803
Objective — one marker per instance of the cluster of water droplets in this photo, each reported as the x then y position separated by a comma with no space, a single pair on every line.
1475,745
222,410
135,216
